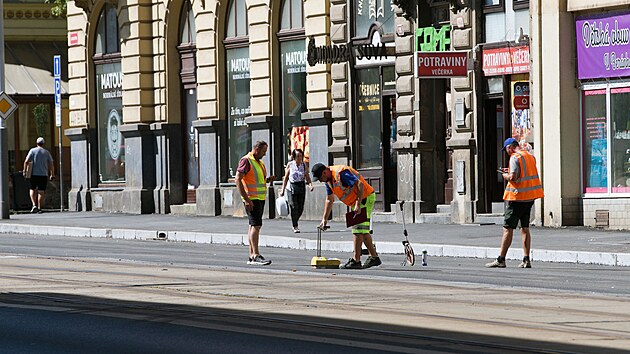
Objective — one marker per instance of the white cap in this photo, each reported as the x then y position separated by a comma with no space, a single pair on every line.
40,140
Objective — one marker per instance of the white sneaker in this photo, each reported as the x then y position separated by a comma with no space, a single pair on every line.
258,260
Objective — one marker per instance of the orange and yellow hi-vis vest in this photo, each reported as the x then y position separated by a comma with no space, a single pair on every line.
255,181
347,195
527,186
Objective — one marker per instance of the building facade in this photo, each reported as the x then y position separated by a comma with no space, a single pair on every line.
580,85
166,96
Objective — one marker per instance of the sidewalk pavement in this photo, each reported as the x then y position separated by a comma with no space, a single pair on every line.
568,244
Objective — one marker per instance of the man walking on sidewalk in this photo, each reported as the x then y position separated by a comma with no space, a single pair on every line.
523,187
43,169
350,187
251,181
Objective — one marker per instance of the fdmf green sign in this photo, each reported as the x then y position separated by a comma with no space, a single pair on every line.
431,39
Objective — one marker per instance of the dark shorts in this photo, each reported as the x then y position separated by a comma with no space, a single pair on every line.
39,183
517,212
256,214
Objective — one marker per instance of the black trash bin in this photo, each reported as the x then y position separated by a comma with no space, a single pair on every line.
21,188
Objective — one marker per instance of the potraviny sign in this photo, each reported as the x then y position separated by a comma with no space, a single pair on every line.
433,59
506,60
442,64
603,46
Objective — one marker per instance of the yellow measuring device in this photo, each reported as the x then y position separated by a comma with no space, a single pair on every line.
320,262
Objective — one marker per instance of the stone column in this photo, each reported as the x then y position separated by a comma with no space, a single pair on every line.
408,142
79,196
137,196
211,157
462,103
340,148
264,128
320,138
168,168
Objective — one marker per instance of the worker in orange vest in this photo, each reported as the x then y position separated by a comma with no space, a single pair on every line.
350,187
251,181
523,187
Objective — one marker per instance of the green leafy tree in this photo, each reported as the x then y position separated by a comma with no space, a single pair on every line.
59,7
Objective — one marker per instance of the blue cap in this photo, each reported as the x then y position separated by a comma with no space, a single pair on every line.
509,141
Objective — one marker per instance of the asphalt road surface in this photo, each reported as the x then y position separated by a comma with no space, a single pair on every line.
550,276
77,295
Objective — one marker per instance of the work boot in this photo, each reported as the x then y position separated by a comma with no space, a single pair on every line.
526,263
372,262
352,264
497,263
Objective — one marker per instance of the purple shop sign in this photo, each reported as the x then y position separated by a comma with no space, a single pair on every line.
603,44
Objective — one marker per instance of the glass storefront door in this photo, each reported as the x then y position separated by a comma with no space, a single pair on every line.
375,125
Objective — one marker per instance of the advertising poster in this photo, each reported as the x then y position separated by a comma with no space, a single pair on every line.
111,143
293,56
239,105
522,127
369,11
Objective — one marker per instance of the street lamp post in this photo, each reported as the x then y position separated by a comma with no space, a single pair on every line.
4,156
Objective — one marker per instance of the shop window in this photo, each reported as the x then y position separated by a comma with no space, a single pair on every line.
293,68
111,147
369,117
368,12
620,144
595,147
606,140
238,91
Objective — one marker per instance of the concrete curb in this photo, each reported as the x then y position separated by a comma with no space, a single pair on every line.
433,250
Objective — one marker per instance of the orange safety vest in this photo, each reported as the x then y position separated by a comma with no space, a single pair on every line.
527,186
255,181
348,195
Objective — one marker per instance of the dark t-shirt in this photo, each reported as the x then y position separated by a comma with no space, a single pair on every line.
243,165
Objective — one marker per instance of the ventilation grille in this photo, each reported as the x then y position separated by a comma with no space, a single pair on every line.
601,218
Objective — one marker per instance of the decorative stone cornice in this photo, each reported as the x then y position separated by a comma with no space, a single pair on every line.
17,11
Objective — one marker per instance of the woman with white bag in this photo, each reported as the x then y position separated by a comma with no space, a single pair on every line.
297,175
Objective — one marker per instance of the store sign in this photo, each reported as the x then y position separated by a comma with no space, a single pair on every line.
603,46
331,54
521,102
431,39
442,64
506,61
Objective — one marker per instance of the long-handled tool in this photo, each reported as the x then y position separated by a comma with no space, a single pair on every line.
319,261
410,257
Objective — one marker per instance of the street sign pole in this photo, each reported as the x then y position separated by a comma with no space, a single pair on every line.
57,75
4,155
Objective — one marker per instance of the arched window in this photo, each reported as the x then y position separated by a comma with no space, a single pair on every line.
293,69
188,31
238,100
188,75
111,146
368,12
